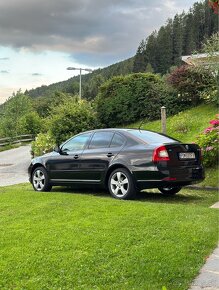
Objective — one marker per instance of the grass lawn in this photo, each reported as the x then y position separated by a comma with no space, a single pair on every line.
68,240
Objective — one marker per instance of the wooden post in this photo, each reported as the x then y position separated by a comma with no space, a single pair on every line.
163,120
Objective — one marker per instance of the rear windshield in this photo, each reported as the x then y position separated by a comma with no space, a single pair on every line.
151,137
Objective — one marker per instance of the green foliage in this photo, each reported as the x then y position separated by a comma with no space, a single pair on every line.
31,123
123,100
71,118
209,143
210,47
190,82
180,36
180,123
43,143
43,105
14,109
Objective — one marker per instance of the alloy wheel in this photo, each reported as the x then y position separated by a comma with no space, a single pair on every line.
119,184
38,180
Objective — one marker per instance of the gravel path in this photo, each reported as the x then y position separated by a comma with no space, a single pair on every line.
13,165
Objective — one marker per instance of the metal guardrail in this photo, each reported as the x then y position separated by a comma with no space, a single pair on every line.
16,139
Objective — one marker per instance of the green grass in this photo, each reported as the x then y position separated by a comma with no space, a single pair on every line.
186,126
67,240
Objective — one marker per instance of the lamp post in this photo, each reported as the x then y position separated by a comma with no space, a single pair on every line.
80,69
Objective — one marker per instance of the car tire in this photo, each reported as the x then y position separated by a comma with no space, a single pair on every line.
170,190
121,185
40,180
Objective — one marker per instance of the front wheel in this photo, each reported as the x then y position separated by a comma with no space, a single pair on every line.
40,179
170,190
121,185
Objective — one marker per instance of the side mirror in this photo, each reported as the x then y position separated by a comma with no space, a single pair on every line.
57,149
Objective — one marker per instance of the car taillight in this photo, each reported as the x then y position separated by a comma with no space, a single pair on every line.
160,154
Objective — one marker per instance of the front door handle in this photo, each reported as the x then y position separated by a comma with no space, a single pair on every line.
76,156
110,154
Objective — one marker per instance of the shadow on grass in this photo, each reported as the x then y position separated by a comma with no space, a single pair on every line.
151,195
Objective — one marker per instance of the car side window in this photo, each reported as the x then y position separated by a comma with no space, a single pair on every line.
117,140
101,140
76,143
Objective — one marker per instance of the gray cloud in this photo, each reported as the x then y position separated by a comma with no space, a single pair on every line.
4,58
101,29
4,72
36,74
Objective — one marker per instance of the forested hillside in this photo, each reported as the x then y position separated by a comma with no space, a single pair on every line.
161,50
91,81
181,35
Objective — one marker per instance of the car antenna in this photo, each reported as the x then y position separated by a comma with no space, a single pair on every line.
139,128
141,123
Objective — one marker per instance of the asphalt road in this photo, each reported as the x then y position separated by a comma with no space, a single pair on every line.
13,165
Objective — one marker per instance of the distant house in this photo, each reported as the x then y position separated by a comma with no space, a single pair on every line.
201,59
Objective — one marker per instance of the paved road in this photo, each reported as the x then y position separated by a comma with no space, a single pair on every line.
13,165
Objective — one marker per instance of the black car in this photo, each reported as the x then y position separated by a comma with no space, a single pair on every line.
123,161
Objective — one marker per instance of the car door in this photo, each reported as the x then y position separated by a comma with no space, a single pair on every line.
98,155
65,166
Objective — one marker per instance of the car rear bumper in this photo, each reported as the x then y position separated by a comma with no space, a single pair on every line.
172,177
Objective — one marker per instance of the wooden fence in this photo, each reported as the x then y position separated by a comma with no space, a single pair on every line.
16,140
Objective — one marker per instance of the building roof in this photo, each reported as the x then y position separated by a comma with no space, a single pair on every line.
201,59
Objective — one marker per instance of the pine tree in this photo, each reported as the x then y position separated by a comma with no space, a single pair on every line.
177,40
164,48
140,61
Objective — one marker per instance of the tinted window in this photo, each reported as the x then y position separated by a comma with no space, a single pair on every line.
101,140
76,143
151,137
117,141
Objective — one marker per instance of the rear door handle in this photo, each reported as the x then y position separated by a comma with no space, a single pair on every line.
76,156
110,154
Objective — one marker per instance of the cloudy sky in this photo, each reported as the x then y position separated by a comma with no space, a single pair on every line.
40,38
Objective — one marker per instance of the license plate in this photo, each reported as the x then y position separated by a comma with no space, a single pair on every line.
187,155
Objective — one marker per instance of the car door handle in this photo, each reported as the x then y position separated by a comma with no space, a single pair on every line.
76,156
110,154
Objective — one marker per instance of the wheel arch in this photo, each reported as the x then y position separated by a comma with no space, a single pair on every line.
35,166
111,169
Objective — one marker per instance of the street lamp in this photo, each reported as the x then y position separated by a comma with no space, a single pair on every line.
80,69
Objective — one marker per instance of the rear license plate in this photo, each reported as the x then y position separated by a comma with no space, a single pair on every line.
187,155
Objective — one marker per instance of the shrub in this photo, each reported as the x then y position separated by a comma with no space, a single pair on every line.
180,123
126,99
71,118
190,82
44,143
208,141
30,123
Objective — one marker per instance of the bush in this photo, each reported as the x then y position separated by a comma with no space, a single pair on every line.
208,141
190,82
180,123
44,143
126,99
30,123
71,118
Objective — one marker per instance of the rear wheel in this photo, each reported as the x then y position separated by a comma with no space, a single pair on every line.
170,190
121,185
40,179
